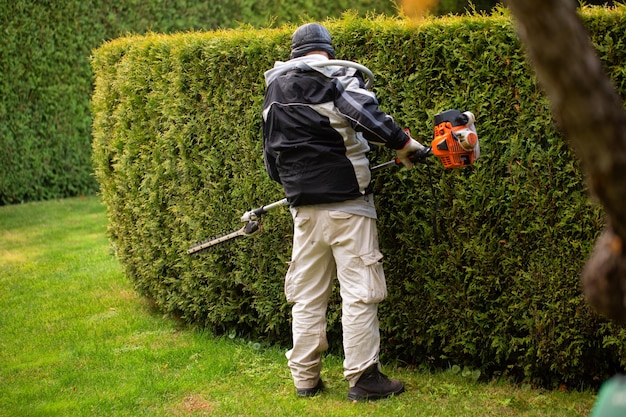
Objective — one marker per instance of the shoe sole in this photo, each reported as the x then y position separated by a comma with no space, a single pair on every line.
374,397
310,392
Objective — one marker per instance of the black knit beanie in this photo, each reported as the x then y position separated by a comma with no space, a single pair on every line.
311,37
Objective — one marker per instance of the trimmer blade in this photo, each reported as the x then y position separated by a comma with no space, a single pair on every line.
215,240
248,229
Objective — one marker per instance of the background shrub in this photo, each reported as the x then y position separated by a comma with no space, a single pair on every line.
482,263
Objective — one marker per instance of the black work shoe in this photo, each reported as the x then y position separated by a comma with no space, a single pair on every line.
310,392
374,385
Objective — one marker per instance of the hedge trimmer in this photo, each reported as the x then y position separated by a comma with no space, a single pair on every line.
455,143
252,225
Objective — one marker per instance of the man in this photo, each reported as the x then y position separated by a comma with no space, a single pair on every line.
318,123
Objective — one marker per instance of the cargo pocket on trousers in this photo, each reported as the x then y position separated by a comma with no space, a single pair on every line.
374,280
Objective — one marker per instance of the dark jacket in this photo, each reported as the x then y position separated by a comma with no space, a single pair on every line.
317,127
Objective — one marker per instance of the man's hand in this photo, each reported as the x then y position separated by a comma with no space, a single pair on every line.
411,147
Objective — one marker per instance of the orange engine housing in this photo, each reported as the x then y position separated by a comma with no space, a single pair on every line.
455,141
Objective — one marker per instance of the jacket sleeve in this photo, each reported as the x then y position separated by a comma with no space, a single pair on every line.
360,107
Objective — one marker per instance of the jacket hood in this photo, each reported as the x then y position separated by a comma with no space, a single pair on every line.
303,64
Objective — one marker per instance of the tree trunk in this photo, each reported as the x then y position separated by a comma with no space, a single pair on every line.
591,117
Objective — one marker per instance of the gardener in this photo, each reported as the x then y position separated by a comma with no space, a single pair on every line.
318,123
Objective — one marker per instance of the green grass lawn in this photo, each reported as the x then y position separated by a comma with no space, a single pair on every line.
76,340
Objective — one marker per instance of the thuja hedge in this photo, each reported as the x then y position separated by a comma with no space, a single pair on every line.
482,263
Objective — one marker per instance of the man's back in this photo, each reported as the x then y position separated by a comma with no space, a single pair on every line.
312,148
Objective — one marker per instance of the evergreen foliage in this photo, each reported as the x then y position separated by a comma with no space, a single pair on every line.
482,263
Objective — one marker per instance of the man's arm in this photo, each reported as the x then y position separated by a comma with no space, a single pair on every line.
361,108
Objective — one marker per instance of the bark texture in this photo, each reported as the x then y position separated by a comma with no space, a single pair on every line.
590,114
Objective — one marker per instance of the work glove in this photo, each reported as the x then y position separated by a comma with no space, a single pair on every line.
412,147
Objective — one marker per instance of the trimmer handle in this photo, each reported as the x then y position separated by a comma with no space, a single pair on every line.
258,212
416,158
419,157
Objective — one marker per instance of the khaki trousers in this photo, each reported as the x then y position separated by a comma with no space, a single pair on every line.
328,243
